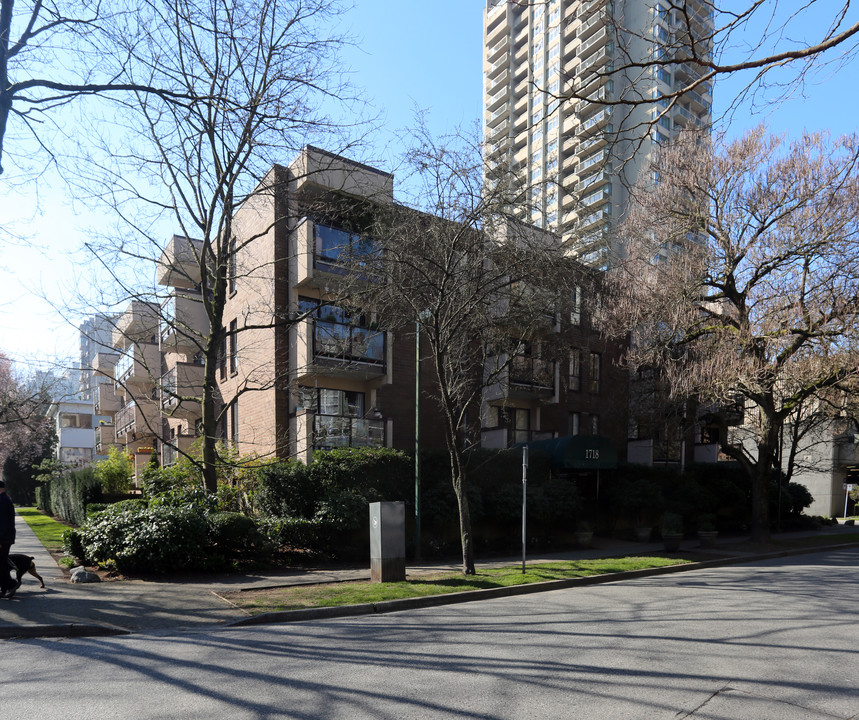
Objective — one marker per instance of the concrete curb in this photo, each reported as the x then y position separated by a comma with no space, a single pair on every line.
417,603
60,631
77,630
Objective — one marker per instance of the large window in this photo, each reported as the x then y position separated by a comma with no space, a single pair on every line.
232,267
339,333
341,246
234,347
595,369
76,420
234,422
575,369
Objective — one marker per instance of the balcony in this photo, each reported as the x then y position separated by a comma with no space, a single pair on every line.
590,220
178,384
497,41
685,118
184,322
179,264
172,450
592,44
106,402
591,64
323,252
591,25
531,375
497,97
315,431
131,421
340,349
335,431
137,368
497,116
526,378
105,437
139,323
596,120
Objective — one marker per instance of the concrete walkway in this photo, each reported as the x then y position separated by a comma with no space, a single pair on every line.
67,609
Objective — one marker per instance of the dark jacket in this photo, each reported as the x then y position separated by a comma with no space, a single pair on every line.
7,520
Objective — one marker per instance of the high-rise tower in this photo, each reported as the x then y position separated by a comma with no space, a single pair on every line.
565,85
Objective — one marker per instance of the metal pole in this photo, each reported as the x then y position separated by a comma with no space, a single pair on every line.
418,440
524,496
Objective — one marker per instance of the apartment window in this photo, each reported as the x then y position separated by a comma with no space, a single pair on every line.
222,355
234,347
537,136
554,86
595,424
575,421
552,124
575,369
232,266
76,420
536,174
595,362
234,422
663,75
555,50
552,147
661,33
537,116
554,16
537,156
576,307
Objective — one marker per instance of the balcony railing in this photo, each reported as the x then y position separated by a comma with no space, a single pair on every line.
531,371
335,431
125,419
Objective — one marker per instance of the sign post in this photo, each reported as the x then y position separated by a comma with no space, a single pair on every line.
524,497
848,488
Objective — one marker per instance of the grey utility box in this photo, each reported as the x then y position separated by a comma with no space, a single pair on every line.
387,541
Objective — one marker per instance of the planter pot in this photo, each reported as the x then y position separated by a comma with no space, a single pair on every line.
584,538
671,541
642,534
707,538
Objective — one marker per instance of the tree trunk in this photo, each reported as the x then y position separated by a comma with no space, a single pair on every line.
767,452
464,526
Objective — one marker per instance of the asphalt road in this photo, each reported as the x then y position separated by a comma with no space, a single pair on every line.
765,640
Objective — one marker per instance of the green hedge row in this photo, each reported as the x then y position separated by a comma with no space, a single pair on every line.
67,495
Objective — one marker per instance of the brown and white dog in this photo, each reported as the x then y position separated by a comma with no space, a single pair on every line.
21,564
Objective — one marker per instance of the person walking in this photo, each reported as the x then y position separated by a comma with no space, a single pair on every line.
7,539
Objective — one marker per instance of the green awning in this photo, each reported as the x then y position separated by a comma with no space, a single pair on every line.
577,452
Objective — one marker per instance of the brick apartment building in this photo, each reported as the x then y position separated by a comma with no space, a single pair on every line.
298,373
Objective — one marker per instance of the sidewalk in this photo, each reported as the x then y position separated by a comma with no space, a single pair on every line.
64,609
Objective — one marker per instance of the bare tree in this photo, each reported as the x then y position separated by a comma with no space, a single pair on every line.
259,73
483,288
23,405
52,54
741,282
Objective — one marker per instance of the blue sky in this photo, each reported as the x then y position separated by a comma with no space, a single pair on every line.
410,55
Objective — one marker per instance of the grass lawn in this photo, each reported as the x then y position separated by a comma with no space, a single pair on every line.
49,531
352,593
